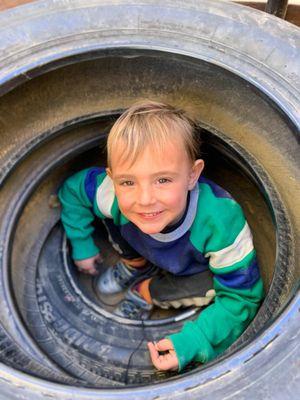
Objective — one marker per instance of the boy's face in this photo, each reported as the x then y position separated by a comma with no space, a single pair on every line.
152,193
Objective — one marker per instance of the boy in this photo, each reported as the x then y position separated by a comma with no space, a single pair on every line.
160,212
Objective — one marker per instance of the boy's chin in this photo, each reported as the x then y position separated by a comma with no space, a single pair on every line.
150,229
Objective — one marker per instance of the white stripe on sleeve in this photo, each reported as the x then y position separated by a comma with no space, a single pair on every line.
234,253
105,196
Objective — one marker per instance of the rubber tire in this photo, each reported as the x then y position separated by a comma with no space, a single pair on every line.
92,347
267,70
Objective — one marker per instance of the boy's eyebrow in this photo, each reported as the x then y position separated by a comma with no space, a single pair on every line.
123,176
169,173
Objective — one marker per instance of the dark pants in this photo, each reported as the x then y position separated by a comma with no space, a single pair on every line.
165,287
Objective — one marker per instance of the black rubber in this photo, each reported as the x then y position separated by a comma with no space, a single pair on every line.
232,67
84,340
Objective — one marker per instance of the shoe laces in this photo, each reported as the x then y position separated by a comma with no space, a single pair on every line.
121,273
130,310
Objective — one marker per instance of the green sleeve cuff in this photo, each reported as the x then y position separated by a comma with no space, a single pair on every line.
190,344
84,248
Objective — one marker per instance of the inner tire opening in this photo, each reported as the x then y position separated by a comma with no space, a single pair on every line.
67,328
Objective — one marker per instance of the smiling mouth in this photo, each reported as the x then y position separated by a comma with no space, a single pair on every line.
150,215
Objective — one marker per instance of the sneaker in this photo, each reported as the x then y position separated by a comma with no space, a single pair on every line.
133,306
115,279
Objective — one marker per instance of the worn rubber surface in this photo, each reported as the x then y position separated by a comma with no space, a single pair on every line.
236,69
86,343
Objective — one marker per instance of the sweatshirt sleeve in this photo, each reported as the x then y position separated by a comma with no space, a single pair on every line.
238,294
77,216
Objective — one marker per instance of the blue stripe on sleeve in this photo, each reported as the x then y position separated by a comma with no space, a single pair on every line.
216,189
243,278
90,182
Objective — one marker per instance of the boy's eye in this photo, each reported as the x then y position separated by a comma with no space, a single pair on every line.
126,183
163,180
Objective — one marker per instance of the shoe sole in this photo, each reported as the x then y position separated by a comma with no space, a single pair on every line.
187,302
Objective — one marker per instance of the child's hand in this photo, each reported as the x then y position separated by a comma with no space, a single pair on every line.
163,362
88,265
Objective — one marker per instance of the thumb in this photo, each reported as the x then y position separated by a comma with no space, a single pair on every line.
164,345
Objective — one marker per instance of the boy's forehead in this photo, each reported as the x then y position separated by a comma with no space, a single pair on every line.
154,157
160,148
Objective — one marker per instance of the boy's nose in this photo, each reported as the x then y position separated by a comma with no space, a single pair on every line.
146,196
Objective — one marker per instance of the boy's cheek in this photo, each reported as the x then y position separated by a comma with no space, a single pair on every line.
124,204
124,199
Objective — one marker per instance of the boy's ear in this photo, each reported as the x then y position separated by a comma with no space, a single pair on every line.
109,173
196,171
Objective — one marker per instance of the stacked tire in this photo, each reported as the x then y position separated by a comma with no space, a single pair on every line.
68,68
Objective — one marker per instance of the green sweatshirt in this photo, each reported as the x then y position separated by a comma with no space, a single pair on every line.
213,234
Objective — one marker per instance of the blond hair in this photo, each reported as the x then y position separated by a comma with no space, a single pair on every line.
151,123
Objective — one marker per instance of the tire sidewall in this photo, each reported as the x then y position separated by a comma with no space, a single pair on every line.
197,34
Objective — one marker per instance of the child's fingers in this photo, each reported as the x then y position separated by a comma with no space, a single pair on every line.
164,345
98,259
92,272
163,362
156,359
168,361
87,270
153,352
